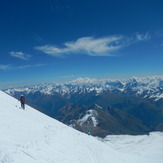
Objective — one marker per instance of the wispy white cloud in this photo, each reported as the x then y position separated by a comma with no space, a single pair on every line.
11,67
20,55
28,66
105,46
86,45
142,37
5,67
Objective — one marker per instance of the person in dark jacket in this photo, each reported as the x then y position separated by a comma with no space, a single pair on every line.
22,101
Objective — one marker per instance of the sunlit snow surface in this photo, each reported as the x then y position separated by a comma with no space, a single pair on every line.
137,148
28,136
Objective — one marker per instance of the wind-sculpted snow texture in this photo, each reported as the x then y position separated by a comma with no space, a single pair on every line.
28,136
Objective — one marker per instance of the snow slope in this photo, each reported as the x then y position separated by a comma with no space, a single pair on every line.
28,136
139,148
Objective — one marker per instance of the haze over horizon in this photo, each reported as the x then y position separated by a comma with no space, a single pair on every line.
52,40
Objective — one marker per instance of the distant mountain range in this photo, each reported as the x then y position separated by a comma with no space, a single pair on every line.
131,106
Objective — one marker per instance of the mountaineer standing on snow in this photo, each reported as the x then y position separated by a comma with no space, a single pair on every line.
22,101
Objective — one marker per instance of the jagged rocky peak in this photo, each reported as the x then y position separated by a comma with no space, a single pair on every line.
90,118
150,87
132,82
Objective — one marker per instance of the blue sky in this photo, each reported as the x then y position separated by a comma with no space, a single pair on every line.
60,40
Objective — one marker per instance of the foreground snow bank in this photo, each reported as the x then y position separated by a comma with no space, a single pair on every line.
28,136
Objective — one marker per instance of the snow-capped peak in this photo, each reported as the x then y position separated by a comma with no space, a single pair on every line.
90,117
151,87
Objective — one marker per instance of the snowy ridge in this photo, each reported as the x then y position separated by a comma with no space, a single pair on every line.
29,136
151,87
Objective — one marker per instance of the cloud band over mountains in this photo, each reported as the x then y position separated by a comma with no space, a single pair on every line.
86,45
105,46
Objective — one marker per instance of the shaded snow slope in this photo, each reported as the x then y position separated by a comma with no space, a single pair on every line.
28,136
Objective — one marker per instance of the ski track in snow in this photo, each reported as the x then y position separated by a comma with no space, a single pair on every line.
28,136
